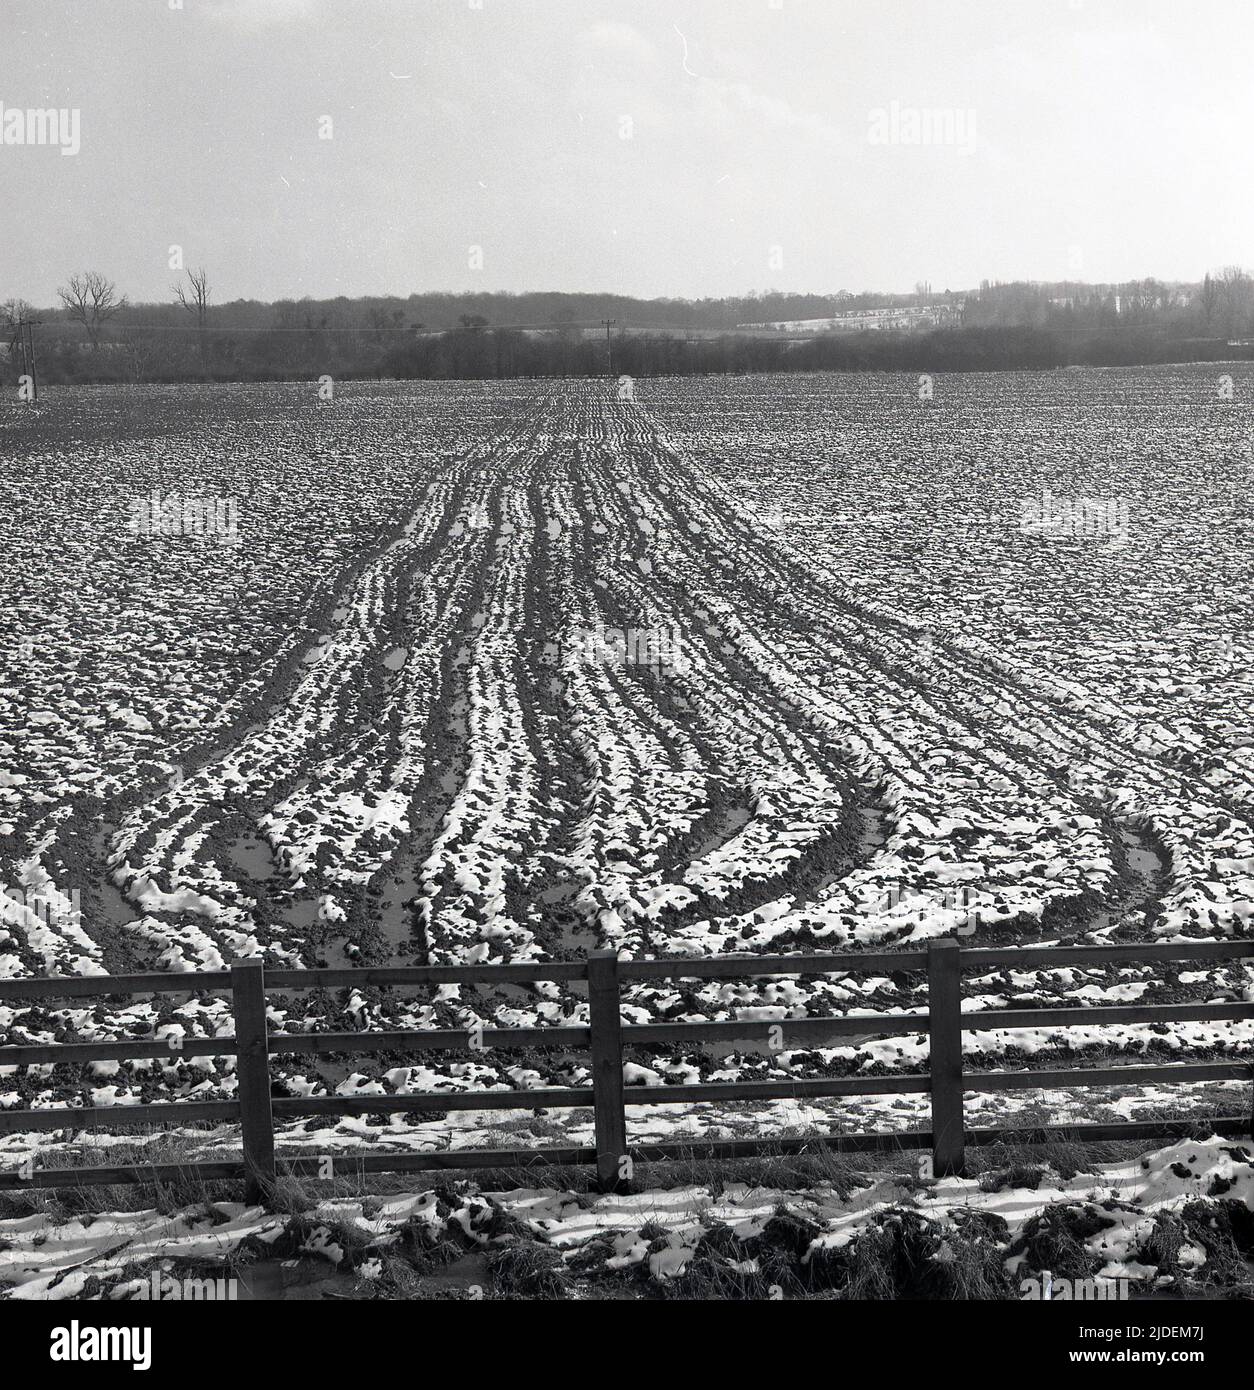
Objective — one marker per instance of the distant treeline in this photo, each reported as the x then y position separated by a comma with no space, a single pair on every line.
485,353
97,336
1220,305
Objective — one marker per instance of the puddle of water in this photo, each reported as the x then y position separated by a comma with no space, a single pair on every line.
461,1274
456,722
395,910
871,836
396,658
289,1281
114,908
1145,861
731,822
316,653
573,933
1148,869
252,856
1142,887
302,915
871,839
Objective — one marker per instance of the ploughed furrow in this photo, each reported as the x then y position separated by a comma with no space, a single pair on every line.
644,783
498,819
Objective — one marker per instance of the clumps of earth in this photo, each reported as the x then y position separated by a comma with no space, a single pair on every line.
1186,1228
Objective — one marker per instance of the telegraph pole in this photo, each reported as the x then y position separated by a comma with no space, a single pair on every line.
609,346
17,345
26,353
30,344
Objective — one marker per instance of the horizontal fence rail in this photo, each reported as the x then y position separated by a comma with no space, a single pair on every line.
605,1039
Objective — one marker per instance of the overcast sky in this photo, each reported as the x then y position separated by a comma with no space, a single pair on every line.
652,147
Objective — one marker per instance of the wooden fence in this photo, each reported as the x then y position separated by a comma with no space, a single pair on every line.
605,1039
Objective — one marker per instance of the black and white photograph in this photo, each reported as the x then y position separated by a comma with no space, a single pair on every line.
626,673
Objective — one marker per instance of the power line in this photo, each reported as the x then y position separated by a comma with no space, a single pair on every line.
412,330
420,331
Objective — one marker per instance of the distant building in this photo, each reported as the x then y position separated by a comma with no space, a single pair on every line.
911,318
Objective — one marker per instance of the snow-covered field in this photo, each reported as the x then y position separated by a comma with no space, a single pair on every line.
507,672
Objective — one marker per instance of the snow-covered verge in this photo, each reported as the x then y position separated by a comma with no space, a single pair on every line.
1177,1220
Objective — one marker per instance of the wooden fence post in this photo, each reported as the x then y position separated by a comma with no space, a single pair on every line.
605,1026
252,1075
944,1005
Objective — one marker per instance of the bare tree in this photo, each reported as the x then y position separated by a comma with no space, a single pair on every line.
12,312
1235,286
1209,299
385,323
194,296
91,299
140,353
1143,299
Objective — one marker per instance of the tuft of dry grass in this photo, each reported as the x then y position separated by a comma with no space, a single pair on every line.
901,1255
151,1191
528,1269
1054,1239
